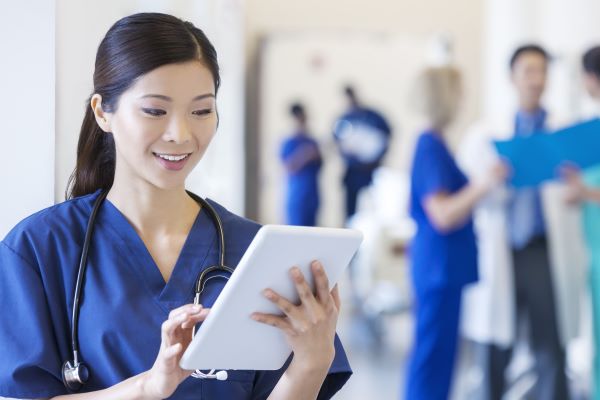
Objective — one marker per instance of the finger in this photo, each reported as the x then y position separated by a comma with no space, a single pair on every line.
274,320
307,298
321,282
172,351
194,319
335,294
169,326
188,308
284,304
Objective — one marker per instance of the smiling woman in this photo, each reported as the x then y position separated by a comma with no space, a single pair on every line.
164,122
151,118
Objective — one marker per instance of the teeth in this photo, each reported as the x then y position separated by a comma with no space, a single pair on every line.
172,158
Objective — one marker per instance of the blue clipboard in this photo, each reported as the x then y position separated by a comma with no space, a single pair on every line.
537,158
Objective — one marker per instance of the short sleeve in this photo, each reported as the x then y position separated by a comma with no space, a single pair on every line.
339,373
431,168
30,365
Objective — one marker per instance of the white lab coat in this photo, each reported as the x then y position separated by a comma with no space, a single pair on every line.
488,314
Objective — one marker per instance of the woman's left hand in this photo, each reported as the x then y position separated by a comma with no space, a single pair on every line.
576,189
309,326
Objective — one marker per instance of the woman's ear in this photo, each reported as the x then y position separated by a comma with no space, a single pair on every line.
102,117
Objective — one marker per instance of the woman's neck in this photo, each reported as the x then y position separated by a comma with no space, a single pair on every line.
152,210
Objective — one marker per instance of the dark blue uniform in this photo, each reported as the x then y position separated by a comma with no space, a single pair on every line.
363,137
124,304
442,264
302,197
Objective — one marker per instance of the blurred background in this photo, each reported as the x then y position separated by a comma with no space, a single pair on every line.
329,58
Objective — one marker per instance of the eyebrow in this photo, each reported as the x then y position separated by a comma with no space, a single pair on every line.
167,98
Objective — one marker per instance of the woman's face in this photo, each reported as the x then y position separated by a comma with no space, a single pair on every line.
163,124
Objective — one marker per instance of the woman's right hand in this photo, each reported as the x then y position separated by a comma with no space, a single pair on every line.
500,171
176,334
496,175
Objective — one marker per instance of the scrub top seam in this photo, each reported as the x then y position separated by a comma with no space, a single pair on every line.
32,265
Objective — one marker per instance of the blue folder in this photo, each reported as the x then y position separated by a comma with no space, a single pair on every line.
538,158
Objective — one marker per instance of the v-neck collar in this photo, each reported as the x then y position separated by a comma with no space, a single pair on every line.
193,257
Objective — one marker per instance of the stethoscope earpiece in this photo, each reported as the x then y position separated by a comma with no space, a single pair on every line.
74,376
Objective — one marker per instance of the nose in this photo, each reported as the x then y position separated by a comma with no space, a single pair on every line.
178,130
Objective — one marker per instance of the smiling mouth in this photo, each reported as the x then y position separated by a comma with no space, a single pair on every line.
172,157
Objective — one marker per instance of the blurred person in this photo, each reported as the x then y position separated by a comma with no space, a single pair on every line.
530,251
443,251
585,189
362,135
302,160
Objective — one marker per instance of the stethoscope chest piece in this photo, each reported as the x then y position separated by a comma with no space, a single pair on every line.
74,375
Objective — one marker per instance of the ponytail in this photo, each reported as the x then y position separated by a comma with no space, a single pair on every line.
95,167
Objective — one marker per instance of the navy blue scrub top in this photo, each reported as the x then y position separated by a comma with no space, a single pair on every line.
303,185
370,118
439,260
125,301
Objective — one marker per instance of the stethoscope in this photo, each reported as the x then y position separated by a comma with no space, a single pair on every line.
74,372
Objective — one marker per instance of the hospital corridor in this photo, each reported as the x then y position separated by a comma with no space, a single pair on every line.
269,199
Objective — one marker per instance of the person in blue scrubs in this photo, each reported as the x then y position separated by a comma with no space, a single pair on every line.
443,253
150,120
362,135
302,160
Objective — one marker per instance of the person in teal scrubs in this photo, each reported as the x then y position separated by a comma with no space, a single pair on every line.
585,189
152,116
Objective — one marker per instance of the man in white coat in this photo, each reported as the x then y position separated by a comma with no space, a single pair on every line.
531,254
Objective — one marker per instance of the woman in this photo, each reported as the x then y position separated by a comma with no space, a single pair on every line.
443,251
586,189
302,160
151,118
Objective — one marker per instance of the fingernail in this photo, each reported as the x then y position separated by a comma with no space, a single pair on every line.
197,307
295,272
268,293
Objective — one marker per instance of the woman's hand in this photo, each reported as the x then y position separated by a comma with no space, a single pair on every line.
576,189
496,175
309,326
176,334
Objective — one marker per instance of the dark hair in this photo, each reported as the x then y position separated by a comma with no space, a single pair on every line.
528,48
132,47
297,110
349,92
591,61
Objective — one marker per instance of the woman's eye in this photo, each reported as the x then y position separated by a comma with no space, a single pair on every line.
155,112
202,112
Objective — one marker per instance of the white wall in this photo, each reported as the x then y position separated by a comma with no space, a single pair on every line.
27,109
80,28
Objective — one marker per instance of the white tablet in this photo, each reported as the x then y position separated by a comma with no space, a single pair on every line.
229,338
